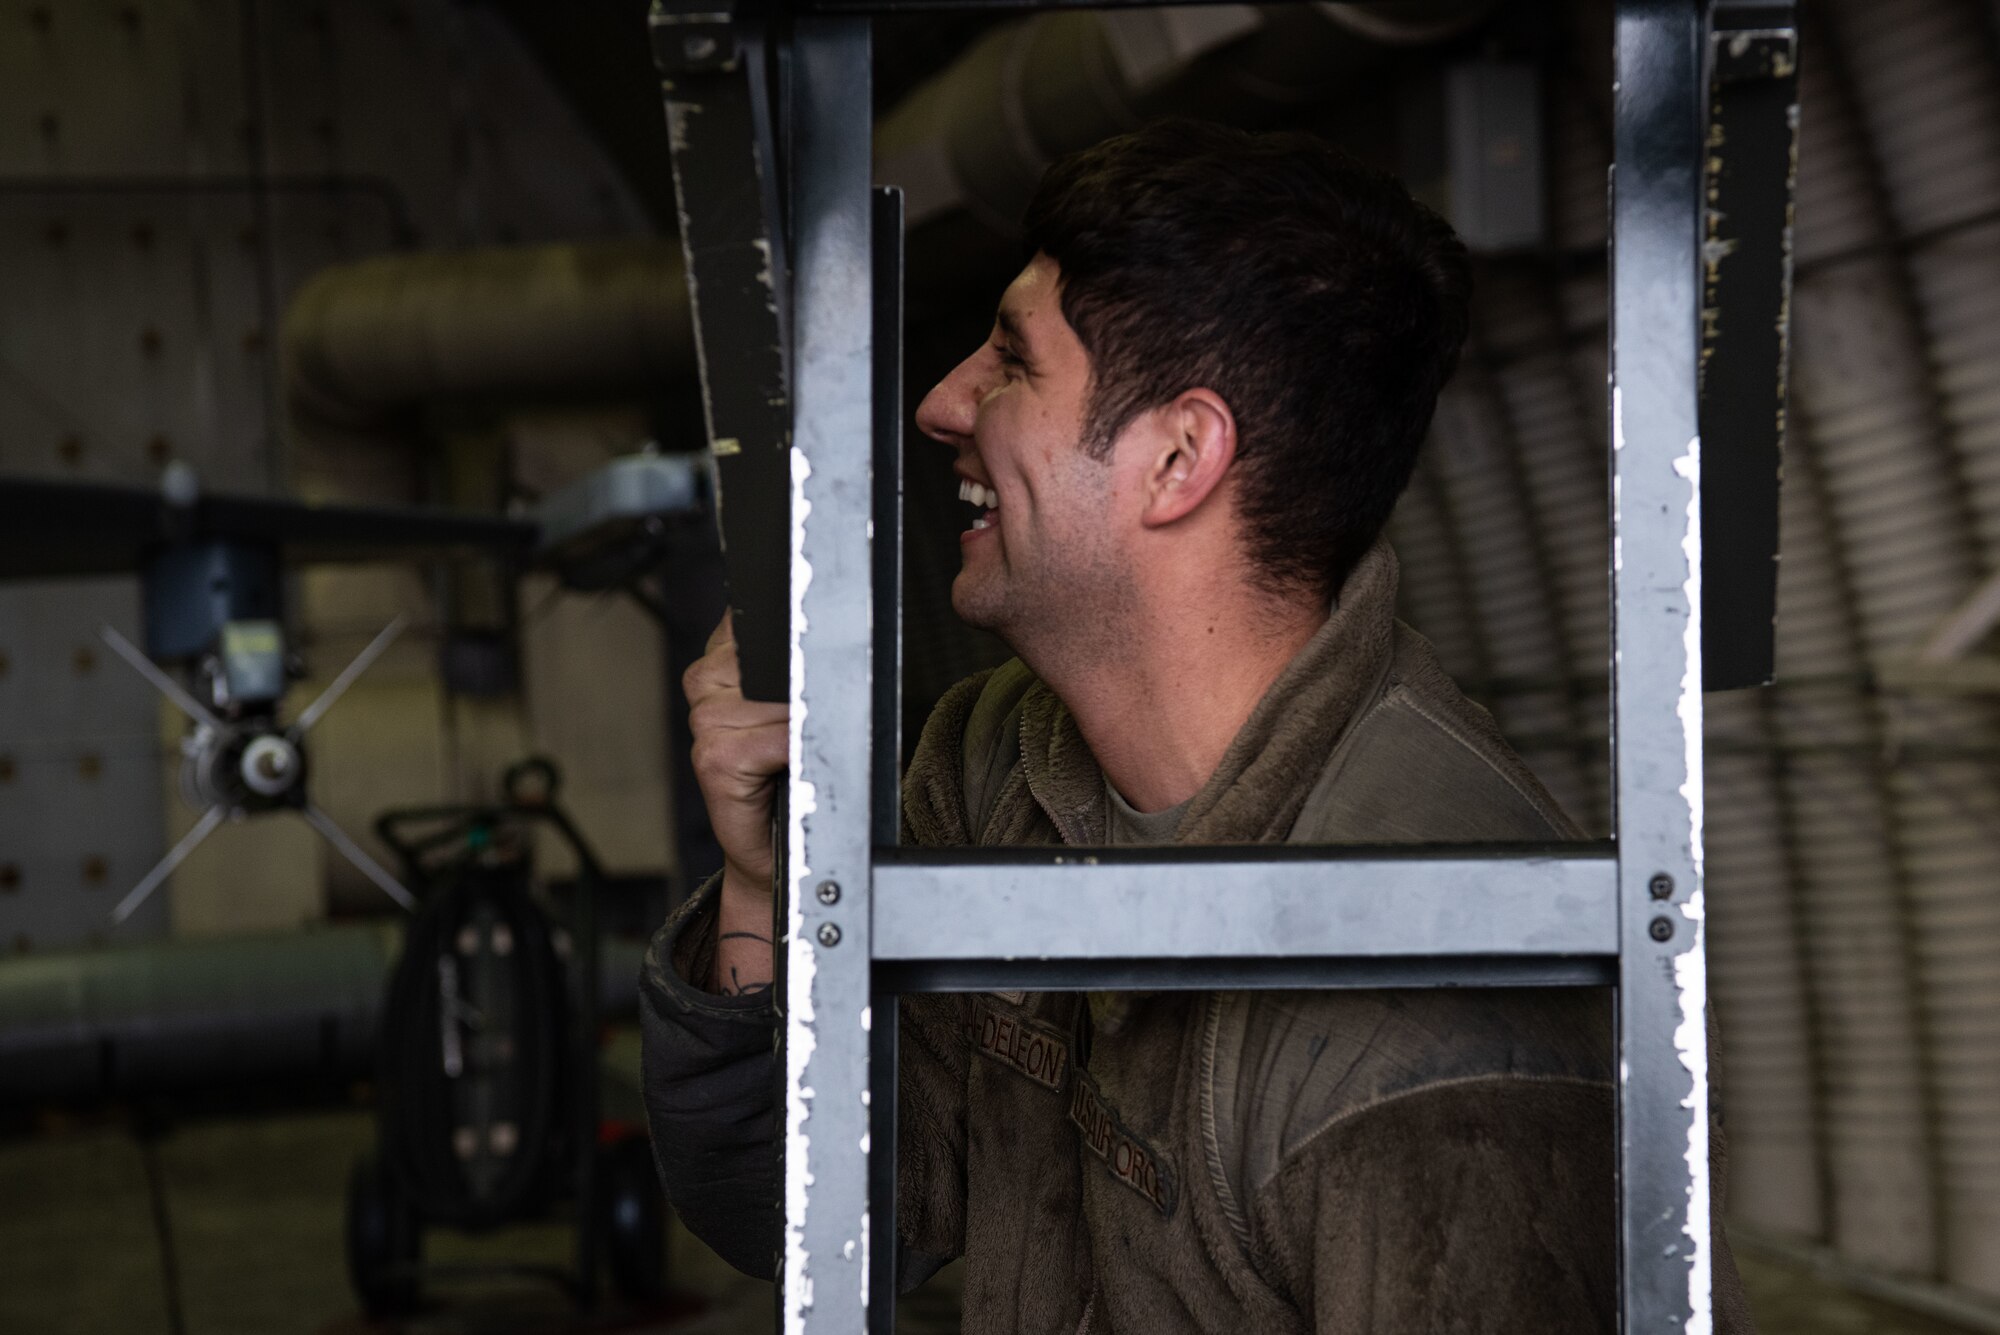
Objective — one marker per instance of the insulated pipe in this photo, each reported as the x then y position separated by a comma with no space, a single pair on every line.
130,1021
600,319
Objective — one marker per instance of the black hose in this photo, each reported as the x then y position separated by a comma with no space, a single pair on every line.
163,1230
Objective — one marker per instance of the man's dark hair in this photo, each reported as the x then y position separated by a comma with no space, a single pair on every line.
1322,303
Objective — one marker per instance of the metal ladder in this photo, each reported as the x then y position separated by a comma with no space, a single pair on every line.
795,268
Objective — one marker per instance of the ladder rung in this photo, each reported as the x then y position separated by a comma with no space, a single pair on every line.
1235,904
1222,975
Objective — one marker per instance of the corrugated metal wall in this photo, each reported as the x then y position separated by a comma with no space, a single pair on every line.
1854,831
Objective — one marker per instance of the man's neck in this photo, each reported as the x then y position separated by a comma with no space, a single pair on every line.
1162,698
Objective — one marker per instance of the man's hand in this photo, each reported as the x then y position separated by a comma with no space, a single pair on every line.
740,749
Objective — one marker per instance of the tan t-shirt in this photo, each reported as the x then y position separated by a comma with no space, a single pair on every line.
1129,826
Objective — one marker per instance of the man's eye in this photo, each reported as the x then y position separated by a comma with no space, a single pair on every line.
1010,359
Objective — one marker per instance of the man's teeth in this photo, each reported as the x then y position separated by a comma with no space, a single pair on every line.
983,496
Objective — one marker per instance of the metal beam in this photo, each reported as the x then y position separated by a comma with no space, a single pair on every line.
1220,904
52,527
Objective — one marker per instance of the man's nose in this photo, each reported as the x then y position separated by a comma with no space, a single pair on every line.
950,411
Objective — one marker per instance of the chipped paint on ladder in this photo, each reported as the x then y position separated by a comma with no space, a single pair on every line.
801,1032
867,1137
1690,966
1690,971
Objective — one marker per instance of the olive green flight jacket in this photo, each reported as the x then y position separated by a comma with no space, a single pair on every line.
1367,1162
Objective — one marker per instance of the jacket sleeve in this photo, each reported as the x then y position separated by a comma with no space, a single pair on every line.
1483,1208
711,1074
710,1098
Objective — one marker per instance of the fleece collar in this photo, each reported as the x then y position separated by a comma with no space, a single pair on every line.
1256,792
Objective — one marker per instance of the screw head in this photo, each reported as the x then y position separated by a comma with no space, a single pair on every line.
1661,929
828,892
829,935
1662,885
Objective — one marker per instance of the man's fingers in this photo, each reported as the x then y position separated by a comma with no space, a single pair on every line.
724,632
737,762
740,748
716,671
722,711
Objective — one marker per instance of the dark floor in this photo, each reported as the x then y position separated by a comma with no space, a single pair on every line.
254,1215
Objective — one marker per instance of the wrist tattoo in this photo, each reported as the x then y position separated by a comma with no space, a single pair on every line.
736,987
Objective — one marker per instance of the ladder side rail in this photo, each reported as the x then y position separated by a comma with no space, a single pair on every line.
1658,100
825,1261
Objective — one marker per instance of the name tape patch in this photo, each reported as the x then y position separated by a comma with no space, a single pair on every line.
1130,1159
1022,1046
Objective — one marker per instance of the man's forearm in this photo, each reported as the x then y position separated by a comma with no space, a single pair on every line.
709,1093
743,927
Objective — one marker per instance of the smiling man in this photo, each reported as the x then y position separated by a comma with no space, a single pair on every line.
1198,404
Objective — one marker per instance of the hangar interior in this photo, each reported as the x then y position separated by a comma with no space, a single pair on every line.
382,254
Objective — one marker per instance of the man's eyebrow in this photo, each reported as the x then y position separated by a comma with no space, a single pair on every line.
1011,329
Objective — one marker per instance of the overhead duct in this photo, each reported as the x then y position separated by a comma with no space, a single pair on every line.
365,341
969,147
604,320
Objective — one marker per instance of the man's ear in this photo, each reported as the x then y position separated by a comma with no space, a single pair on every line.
1193,451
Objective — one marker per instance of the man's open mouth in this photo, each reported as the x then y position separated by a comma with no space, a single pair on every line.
975,493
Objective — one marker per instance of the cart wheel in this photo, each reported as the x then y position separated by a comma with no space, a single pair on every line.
384,1242
632,1211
